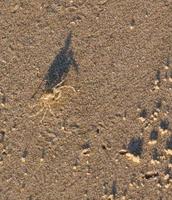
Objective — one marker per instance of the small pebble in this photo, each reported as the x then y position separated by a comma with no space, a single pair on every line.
132,24
168,152
166,67
135,159
166,177
151,174
170,165
123,151
167,186
155,162
170,79
110,197
85,152
23,160
142,119
156,82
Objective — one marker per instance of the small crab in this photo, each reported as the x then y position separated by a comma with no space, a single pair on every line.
50,99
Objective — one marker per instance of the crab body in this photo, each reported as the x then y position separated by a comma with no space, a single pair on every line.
50,99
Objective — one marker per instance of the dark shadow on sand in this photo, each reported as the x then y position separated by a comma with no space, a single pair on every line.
60,66
169,143
135,146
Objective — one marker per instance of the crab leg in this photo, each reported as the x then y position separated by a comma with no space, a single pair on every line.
68,87
50,110
59,96
44,115
41,110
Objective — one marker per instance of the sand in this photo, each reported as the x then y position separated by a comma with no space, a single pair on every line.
111,136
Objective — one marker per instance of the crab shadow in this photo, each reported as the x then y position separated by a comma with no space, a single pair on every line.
59,68
61,65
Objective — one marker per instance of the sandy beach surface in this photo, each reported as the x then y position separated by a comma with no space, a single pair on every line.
85,100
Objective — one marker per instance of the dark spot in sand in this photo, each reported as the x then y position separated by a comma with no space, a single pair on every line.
144,113
106,145
169,143
155,154
164,124
153,135
167,61
114,189
135,146
98,130
25,153
103,147
2,136
158,75
43,153
86,145
132,22
1,158
4,153
158,103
